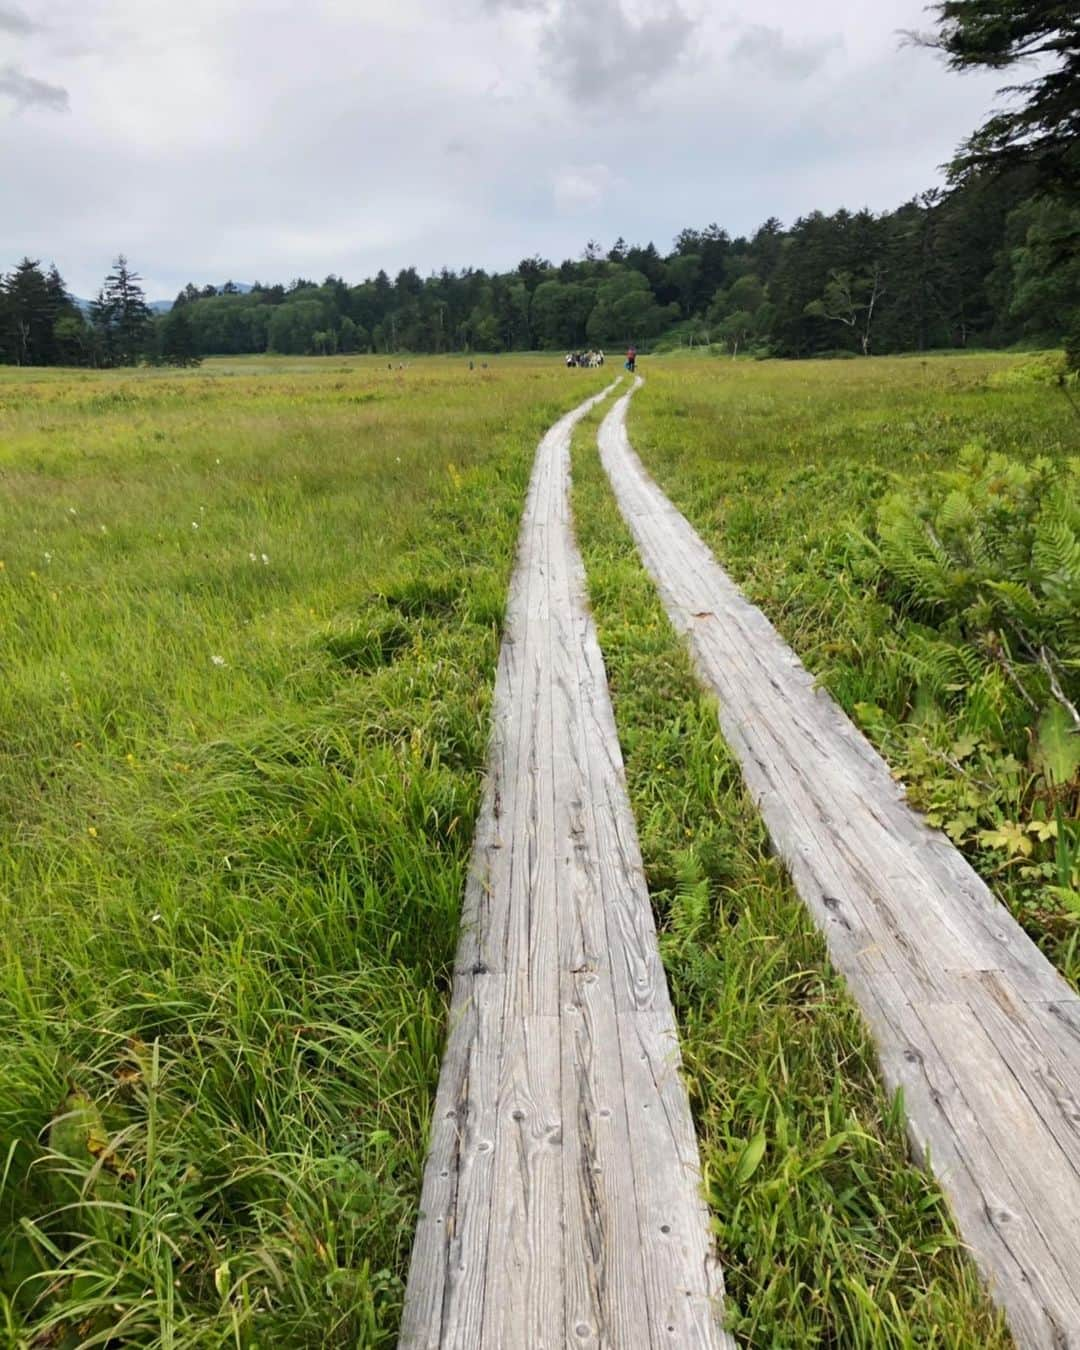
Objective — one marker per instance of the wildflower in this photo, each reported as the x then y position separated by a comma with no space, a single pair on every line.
266,560
92,831
252,557
155,918
130,758
72,511
218,660
104,530
194,524
47,557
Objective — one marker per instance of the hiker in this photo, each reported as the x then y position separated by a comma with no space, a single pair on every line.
631,360
569,360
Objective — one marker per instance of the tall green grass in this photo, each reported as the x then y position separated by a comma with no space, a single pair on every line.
249,622
783,468
828,1235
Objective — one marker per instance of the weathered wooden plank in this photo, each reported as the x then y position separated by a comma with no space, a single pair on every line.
970,1018
948,1133
683,1284
523,1298
605,1299
445,1298
638,973
531,1233
1013,1109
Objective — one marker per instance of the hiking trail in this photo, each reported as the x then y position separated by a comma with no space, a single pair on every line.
562,1201
970,1018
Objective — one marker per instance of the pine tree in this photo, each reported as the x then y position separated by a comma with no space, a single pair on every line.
121,316
1039,130
29,315
102,323
178,343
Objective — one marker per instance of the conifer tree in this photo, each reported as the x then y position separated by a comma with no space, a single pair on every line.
29,314
121,316
1042,128
178,344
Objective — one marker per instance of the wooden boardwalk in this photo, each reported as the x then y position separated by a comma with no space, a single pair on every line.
561,1203
970,1019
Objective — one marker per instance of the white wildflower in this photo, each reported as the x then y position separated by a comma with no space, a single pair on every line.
72,511
47,557
155,918
266,560
252,557
103,529
194,524
218,660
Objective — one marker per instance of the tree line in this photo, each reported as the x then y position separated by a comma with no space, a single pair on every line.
42,325
992,261
981,265
972,266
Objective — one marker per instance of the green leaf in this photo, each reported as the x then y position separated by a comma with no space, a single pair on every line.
76,1130
750,1159
1008,836
1057,746
1068,897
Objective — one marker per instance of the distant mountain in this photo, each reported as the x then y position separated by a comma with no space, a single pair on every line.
159,306
156,306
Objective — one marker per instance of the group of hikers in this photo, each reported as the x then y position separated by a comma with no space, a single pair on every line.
590,360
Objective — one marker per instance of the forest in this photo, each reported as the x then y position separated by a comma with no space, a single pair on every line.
991,263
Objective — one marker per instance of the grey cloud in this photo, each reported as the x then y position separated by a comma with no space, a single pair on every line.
768,50
595,52
14,21
206,100
24,90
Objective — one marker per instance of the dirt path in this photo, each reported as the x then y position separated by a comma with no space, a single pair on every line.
970,1019
561,1202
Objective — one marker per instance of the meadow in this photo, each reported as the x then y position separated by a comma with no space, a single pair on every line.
250,616
912,527
827,1233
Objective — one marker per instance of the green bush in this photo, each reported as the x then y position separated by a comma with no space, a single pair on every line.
989,554
982,572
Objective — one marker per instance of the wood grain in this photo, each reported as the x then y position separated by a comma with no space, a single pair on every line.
562,1200
970,1019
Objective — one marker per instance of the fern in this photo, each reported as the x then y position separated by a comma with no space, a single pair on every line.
985,567
1056,557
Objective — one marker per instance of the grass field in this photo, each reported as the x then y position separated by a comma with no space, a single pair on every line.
250,616
828,1235
912,527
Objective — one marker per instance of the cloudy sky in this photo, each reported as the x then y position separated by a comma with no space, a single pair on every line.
217,138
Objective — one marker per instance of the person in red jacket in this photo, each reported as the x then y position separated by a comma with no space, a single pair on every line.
631,360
